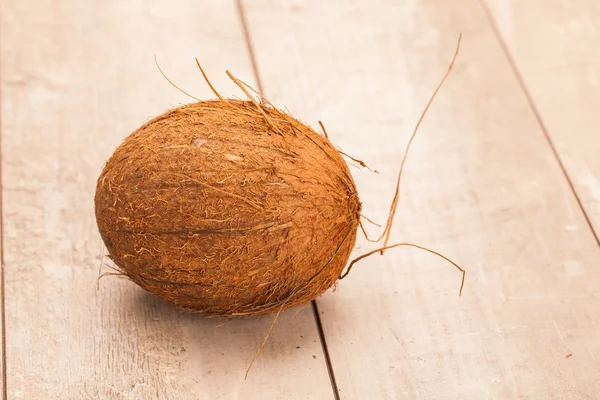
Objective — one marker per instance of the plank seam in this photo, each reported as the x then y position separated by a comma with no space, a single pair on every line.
334,386
242,14
253,62
538,117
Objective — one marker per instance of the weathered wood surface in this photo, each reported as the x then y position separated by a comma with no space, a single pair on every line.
555,49
482,185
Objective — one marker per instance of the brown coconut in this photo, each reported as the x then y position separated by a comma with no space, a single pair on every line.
232,207
228,208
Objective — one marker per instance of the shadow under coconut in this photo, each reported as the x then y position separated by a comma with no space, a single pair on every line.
224,347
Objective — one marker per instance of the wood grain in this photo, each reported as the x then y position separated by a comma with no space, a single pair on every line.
2,314
559,62
481,185
76,79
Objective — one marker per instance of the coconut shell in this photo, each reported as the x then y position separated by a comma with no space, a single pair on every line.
226,208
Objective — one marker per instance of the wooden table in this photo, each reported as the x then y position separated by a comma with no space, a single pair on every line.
503,177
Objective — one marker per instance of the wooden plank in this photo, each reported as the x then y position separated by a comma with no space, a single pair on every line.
2,353
481,185
76,80
559,62
2,315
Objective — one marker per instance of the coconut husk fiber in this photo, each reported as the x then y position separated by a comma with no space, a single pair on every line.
228,208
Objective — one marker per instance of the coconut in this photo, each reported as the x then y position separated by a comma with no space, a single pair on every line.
228,208
233,207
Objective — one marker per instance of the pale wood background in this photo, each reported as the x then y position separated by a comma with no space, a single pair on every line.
504,177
